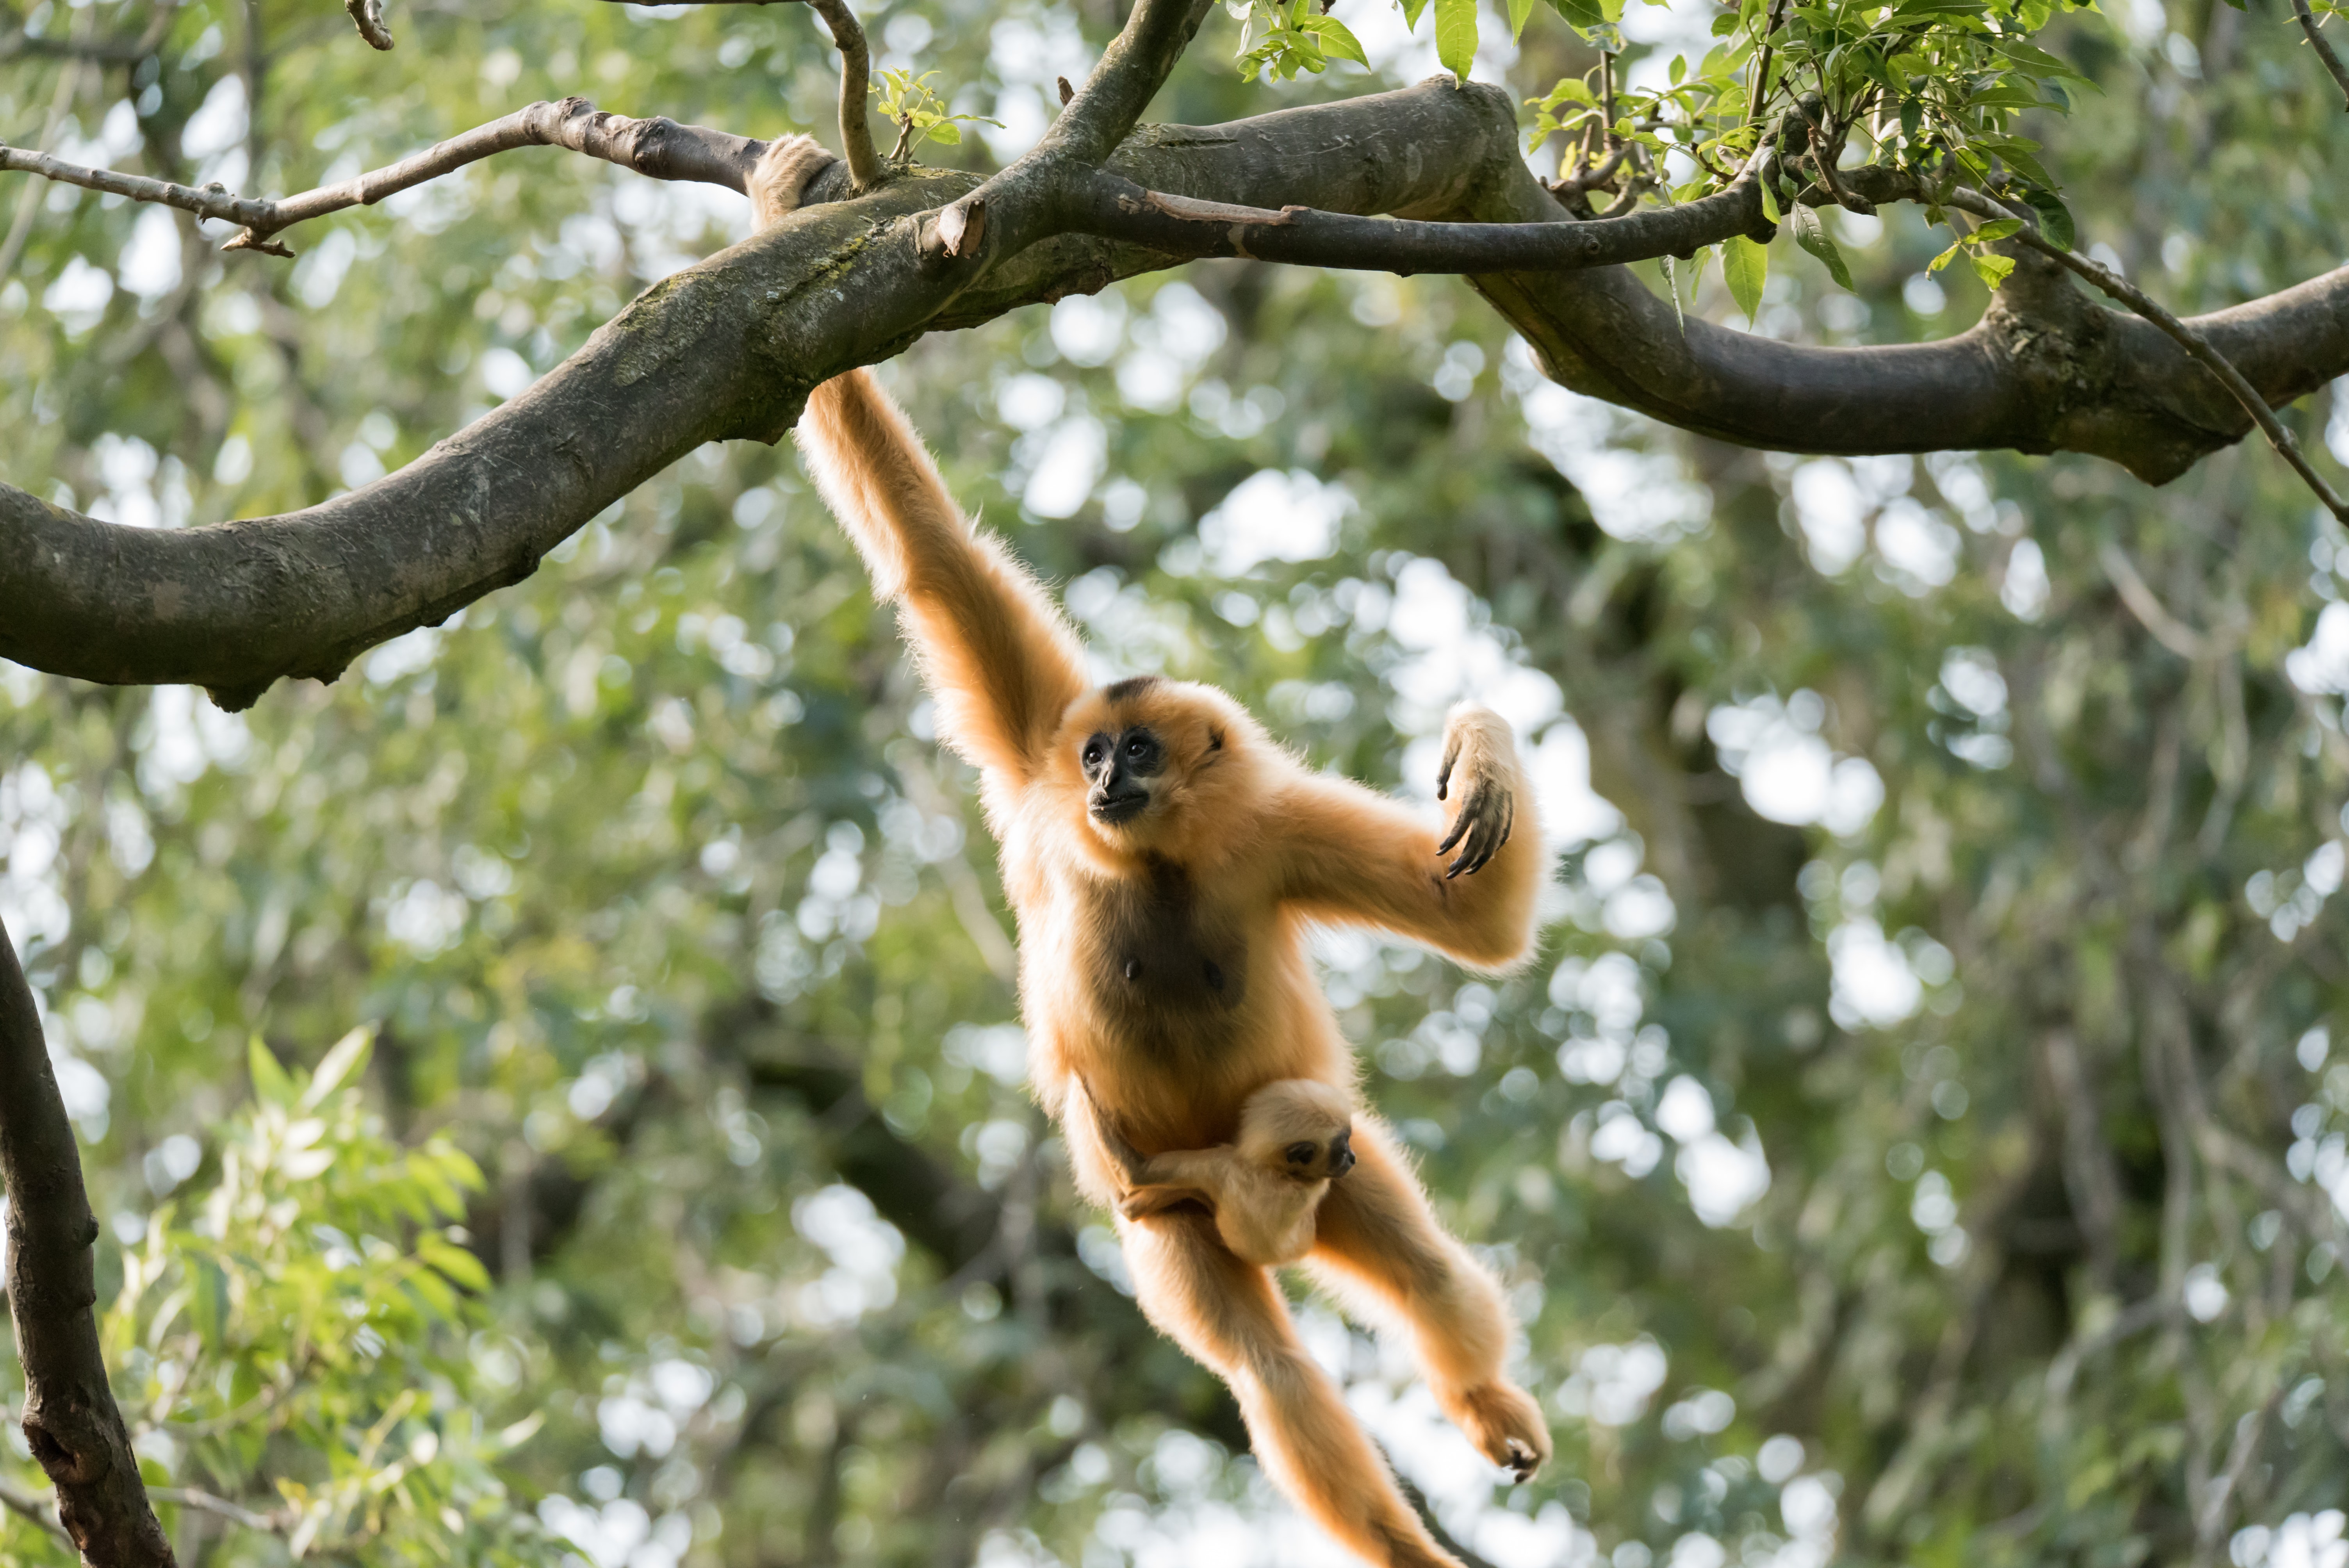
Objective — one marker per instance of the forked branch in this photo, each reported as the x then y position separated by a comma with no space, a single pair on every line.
2278,434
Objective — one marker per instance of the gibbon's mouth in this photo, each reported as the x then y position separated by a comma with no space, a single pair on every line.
1120,807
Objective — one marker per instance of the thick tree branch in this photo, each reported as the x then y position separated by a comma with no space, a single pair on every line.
2192,342
70,1419
729,349
659,148
2308,24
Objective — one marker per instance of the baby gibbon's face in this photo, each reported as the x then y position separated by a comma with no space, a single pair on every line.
1317,1158
1299,1127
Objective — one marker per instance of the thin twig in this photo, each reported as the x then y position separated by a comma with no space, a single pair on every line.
1825,157
864,166
661,149
204,1501
30,1507
1761,89
2167,630
2186,337
1606,98
2308,24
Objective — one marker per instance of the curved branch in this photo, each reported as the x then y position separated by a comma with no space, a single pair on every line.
659,148
2192,342
730,348
70,1418
865,165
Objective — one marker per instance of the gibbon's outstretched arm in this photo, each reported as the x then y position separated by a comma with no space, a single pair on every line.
1000,661
1351,856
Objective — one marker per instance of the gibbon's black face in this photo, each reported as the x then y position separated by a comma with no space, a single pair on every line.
1119,767
1304,1159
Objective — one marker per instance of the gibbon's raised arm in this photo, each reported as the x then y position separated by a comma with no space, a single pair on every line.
1001,661
1351,856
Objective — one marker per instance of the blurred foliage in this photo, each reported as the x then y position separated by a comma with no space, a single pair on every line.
1966,856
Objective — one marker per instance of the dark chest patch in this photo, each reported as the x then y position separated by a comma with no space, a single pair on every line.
1161,963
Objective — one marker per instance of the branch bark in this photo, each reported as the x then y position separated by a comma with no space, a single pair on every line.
865,165
659,148
2192,342
730,348
70,1418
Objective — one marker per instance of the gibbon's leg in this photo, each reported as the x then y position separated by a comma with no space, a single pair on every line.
1378,1241
1230,1316
1351,856
1001,661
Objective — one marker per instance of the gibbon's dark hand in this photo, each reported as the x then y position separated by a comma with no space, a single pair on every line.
1475,741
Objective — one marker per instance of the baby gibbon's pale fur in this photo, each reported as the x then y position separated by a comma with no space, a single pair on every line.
1167,859
1295,1136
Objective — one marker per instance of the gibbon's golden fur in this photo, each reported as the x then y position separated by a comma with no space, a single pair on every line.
1166,860
1295,1136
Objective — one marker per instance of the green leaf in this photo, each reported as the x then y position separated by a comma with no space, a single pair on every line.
269,1079
1990,269
460,1266
1412,8
1812,235
1770,203
945,130
1338,41
1672,287
1519,11
1944,260
2054,218
1746,265
1455,36
1997,228
349,1055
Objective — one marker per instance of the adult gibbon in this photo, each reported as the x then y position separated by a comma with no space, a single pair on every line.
1165,858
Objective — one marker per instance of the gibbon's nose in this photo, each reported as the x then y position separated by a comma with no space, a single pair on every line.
1342,1154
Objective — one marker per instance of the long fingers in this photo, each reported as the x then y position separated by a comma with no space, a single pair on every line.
1444,774
1486,819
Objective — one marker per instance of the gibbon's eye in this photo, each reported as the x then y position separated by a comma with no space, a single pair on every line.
1138,748
1299,1154
1094,750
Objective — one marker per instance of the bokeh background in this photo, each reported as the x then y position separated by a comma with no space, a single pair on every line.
1921,1138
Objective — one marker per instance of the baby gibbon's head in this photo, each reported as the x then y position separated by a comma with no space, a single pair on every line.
1154,759
1300,1127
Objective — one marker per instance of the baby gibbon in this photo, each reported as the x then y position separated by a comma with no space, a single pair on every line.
1296,1138
1167,859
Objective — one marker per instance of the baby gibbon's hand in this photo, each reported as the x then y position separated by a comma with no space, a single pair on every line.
1477,747
780,177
